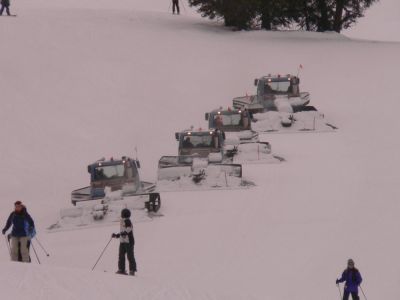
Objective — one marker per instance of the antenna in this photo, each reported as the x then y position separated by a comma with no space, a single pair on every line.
300,67
136,152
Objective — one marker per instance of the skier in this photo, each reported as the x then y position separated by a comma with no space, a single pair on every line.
175,5
127,243
353,279
5,4
23,229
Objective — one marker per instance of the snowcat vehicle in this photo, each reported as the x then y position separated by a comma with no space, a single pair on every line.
279,105
209,159
200,161
121,174
237,127
114,185
275,93
234,122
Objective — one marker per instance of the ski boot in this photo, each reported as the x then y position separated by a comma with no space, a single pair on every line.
121,272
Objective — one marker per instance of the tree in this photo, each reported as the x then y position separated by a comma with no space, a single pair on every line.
277,13
311,15
348,11
331,15
236,13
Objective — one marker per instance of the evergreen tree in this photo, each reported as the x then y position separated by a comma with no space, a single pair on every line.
236,13
311,15
331,15
277,13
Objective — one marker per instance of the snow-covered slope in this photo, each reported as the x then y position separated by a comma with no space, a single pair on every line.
86,79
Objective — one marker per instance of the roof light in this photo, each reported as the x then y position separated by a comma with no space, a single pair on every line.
100,164
219,112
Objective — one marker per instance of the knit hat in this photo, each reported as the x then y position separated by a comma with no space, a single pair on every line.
125,213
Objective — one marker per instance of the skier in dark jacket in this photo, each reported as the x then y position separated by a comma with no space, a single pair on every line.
175,5
127,243
5,4
353,279
22,230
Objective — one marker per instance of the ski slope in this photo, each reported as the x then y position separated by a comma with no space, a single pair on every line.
85,79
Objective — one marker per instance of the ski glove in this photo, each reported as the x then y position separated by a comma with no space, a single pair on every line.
337,281
3,231
115,235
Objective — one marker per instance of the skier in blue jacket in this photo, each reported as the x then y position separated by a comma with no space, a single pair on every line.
352,278
22,229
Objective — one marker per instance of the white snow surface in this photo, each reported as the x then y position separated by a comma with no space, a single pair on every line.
305,121
85,79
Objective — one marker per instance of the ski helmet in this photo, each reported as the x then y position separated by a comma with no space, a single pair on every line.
125,213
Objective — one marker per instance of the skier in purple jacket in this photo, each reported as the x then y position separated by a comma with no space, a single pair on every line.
352,278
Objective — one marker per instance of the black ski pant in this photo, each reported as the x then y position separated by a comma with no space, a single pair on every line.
126,249
175,5
354,295
7,9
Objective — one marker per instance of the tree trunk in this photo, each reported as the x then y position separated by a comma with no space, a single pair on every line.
323,24
266,21
337,23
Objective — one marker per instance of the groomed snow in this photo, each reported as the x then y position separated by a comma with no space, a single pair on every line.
85,79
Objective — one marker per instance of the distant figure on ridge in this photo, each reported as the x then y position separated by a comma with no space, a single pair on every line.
352,278
175,5
5,4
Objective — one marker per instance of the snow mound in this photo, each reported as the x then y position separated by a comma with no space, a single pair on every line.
27,281
305,121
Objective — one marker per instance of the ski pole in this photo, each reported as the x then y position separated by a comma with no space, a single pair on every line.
102,253
41,246
363,292
169,7
340,291
8,245
34,250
